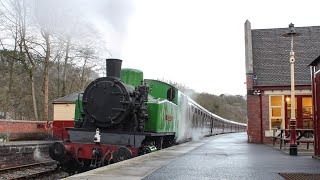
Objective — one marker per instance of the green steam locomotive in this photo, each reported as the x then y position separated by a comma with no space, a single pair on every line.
124,115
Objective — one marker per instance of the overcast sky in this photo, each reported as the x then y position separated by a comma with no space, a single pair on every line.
200,43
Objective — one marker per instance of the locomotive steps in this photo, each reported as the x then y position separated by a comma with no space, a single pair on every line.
141,166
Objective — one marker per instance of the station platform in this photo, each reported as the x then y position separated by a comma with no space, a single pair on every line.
226,156
24,143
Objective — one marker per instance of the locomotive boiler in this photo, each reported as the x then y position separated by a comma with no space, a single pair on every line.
111,105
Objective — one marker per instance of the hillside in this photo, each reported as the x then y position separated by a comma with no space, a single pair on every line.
227,106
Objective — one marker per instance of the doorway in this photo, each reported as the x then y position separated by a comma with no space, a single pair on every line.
303,112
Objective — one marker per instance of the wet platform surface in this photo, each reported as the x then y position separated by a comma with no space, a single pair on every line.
226,156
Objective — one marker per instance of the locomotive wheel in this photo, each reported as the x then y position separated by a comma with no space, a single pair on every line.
58,152
121,154
103,160
144,150
167,143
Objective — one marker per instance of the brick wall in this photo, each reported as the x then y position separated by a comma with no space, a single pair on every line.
255,133
249,81
253,113
23,130
254,120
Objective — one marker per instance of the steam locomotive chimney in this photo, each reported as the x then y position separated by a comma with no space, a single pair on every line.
113,68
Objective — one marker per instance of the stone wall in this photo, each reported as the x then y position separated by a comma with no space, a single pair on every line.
21,153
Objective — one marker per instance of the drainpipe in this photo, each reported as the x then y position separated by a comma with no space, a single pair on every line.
260,96
259,93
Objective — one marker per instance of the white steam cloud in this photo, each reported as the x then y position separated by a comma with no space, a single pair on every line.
37,155
186,131
106,18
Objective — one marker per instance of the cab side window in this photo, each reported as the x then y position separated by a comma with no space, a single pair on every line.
171,94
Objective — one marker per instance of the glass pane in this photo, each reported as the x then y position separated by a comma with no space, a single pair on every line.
276,123
307,107
307,101
276,112
307,113
307,124
276,100
288,99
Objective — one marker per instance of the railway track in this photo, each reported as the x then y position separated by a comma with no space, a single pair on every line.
42,170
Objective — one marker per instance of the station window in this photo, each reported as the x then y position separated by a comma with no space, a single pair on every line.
307,118
276,112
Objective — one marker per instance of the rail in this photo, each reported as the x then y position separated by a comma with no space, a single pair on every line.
29,171
303,136
23,166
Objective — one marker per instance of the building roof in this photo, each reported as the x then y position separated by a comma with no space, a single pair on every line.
315,62
271,52
70,99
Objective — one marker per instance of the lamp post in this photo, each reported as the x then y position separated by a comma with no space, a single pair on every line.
293,141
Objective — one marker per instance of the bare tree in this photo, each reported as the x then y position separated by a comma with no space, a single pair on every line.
10,55
46,36
15,12
66,58
35,39
88,55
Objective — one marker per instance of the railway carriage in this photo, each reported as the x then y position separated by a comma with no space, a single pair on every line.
124,115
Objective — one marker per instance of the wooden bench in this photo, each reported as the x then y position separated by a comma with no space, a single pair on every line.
303,136
308,141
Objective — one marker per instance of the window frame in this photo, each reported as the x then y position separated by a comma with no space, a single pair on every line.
282,126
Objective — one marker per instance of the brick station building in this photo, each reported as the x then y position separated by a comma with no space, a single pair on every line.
268,79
